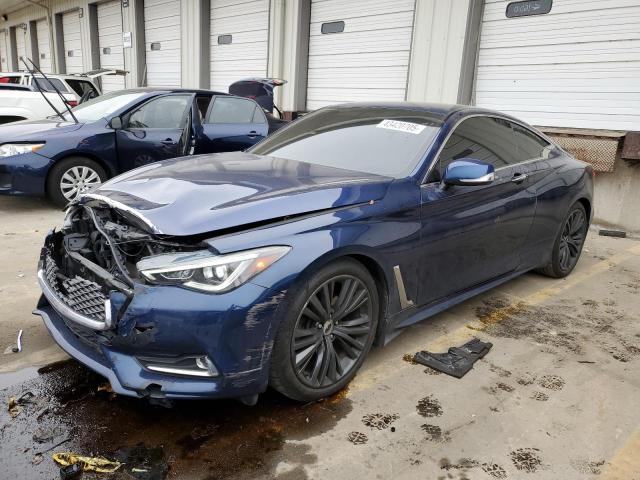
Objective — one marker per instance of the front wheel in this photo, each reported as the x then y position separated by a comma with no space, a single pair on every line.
568,244
73,176
327,332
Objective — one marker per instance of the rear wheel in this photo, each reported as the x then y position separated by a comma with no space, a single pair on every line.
568,244
73,176
327,332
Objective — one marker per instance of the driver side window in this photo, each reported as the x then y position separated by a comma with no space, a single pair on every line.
163,112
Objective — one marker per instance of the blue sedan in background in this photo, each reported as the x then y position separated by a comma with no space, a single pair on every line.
219,275
120,131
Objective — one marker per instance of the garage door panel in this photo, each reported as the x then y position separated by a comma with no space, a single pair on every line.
21,46
330,10
44,49
4,52
72,42
247,22
238,10
361,42
110,42
577,66
162,25
366,24
368,60
318,98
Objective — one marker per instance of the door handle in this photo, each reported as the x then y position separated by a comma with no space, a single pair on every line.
519,177
168,141
252,134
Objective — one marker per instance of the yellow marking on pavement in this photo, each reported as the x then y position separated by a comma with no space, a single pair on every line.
626,461
373,376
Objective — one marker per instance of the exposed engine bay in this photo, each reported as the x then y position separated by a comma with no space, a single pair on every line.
100,243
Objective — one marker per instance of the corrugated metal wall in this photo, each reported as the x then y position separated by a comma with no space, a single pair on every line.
577,66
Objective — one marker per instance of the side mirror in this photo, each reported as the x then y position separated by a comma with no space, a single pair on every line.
468,171
116,123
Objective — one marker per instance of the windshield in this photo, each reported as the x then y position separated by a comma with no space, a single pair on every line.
386,141
102,106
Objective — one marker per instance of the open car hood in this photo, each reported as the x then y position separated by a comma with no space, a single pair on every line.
211,193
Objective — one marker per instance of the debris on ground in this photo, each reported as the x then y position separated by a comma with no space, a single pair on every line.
457,361
44,434
13,408
89,464
18,347
143,463
613,233
71,472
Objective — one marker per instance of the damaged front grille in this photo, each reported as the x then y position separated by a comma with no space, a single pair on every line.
81,295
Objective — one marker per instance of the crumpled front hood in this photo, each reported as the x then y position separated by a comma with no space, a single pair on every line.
209,193
35,130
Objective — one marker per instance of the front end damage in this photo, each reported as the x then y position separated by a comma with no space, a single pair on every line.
149,339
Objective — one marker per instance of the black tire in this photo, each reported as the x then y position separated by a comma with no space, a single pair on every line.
568,244
337,281
68,166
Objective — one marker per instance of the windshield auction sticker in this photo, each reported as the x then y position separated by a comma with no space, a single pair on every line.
400,126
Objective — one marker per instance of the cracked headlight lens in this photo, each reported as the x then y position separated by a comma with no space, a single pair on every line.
10,149
202,270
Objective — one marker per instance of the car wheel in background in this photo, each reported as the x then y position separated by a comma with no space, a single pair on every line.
327,331
568,244
72,176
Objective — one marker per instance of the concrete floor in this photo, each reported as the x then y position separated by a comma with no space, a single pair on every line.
556,397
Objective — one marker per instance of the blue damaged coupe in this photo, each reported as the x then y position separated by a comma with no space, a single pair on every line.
223,274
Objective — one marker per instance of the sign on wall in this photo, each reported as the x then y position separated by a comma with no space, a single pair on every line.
126,39
528,7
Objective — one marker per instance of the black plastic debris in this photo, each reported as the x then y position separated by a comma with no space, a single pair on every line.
458,360
613,233
71,472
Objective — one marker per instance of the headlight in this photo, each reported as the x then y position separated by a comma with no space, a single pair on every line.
10,149
202,270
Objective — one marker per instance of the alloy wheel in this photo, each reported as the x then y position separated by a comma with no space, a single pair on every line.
77,180
332,331
573,235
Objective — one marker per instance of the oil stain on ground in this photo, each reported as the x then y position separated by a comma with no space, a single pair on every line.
379,421
560,325
429,407
434,433
201,439
526,459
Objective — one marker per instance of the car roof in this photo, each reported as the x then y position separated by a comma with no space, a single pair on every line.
440,111
172,90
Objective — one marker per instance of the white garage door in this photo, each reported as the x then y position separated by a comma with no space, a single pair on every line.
162,40
4,51
577,66
44,48
110,42
72,40
21,46
239,41
363,54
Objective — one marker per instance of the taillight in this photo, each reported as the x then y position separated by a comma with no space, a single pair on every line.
4,79
72,103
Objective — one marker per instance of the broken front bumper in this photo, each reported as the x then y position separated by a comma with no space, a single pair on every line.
234,330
